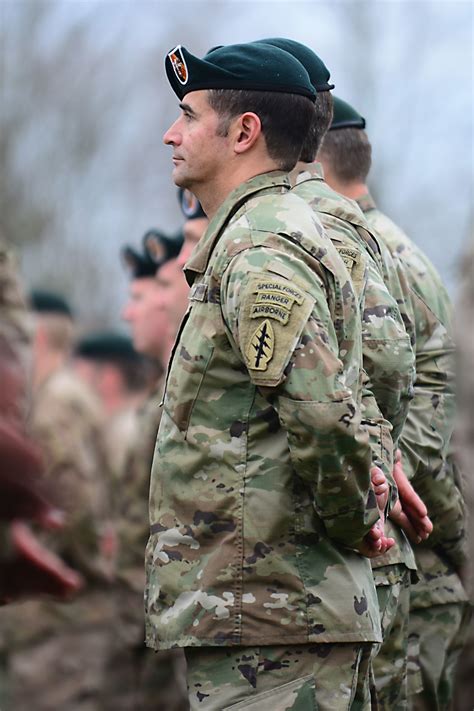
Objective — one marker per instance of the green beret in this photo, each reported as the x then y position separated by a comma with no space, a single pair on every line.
190,205
43,301
158,248
106,346
252,66
345,116
317,70
138,264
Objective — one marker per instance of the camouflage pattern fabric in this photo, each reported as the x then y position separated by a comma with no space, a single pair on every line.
316,677
15,321
465,442
387,354
136,678
260,483
67,422
390,663
133,528
426,437
440,632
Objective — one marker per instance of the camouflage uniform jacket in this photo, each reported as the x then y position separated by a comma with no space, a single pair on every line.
426,436
388,357
261,471
15,322
134,488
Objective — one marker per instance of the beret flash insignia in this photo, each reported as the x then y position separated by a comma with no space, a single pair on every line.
179,64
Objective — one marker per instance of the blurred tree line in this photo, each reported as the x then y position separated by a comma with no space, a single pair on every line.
84,104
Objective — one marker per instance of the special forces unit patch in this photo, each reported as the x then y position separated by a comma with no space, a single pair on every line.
283,310
260,348
179,64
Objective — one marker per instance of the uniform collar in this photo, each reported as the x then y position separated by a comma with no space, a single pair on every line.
366,202
200,256
306,171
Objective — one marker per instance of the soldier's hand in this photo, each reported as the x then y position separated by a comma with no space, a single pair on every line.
375,542
32,569
409,512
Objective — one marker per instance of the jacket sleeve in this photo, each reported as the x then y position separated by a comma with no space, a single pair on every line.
426,437
282,330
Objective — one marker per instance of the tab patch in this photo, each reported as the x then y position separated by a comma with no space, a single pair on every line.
270,311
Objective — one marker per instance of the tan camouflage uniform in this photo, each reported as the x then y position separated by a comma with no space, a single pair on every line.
260,483
437,604
465,433
58,650
136,677
15,322
15,330
388,359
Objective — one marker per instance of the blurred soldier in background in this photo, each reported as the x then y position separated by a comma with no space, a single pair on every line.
58,652
27,568
137,678
437,601
465,434
121,377
388,359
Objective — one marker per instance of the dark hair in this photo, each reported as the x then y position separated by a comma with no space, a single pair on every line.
349,153
285,119
322,117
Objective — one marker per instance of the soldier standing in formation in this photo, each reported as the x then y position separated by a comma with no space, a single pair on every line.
252,509
438,600
57,653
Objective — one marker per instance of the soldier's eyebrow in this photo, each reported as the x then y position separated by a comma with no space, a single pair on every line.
187,109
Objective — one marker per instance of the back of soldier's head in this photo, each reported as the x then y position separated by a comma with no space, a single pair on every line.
346,151
320,79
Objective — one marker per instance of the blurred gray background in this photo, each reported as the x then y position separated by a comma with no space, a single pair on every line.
85,103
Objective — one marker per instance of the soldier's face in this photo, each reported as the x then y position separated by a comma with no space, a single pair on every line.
175,290
199,153
145,311
193,230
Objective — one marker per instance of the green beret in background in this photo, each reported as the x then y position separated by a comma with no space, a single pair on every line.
106,346
43,301
317,70
138,264
190,205
252,66
345,116
158,248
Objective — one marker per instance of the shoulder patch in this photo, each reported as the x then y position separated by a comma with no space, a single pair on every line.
355,264
272,316
259,351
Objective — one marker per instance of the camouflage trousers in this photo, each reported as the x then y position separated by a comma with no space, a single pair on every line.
326,677
138,679
440,632
65,672
464,692
390,662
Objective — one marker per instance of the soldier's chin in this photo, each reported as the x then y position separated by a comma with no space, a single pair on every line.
180,180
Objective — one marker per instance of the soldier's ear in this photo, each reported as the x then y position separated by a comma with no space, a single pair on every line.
247,131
